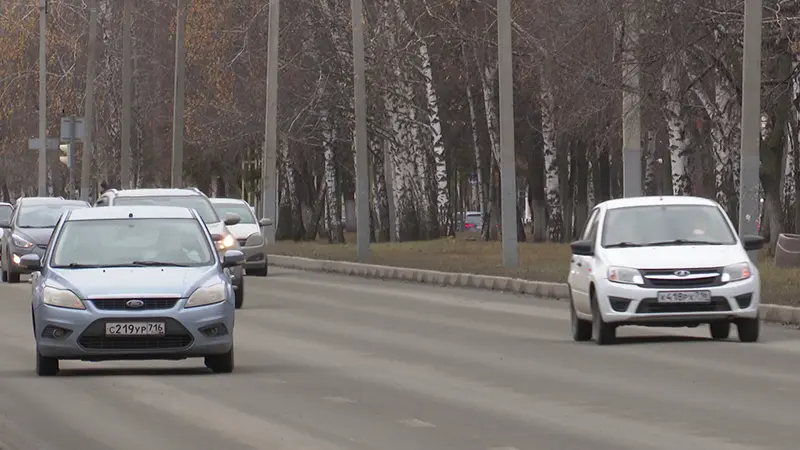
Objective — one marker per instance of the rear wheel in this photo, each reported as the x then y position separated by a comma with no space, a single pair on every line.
45,366
604,333
748,329
221,363
720,330
581,329
239,294
5,276
258,272
13,277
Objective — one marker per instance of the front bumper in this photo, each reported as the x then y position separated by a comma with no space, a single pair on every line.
83,332
623,303
255,256
15,253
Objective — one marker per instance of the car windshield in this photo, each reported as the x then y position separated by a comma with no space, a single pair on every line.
5,212
645,226
43,215
197,202
240,209
131,243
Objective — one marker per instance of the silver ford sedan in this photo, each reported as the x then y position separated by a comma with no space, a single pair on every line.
248,232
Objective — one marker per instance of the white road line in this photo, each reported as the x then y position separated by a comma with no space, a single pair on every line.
338,400
416,423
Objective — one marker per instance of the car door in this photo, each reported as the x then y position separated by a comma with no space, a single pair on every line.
581,267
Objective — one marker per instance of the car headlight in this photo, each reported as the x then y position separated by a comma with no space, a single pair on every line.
624,275
736,272
227,242
207,295
62,298
255,239
20,242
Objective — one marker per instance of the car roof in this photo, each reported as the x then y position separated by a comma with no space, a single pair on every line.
125,212
657,200
5,204
223,201
157,192
50,201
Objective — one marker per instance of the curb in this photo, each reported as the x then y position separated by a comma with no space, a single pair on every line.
786,315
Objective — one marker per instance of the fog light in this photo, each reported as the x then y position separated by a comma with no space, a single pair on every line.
218,329
54,332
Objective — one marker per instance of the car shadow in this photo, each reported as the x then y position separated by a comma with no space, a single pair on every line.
665,339
156,372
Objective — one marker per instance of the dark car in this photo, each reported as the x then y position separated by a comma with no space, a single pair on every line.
28,231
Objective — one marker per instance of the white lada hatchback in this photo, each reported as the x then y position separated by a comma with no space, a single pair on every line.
662,261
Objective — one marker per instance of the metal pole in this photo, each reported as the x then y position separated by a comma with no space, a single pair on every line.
631,110
362,153
749,181
71,156
42,98
508,167
180,83
88,114
127,68
269,181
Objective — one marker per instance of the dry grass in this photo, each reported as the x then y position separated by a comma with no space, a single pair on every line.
539,262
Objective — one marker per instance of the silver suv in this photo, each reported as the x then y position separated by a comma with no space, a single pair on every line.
187,198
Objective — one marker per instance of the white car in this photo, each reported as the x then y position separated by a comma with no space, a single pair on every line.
662,261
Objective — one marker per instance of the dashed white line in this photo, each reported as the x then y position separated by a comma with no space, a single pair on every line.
338,400
503,448
416,423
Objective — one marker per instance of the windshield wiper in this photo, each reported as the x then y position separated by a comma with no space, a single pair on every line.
682,242
623,244
157,263
34,226
78,266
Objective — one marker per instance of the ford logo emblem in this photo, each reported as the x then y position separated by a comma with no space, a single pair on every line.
134,303
681,273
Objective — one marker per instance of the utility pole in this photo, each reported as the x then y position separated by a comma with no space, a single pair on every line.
127,68
88,145
269,179
631,106
362,153
749,181
508,159
180,84
43,98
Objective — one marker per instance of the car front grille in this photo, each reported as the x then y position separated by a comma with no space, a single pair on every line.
242,242
682,278
652,306
176,336
119,304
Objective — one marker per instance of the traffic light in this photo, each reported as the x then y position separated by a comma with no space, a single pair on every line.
64,157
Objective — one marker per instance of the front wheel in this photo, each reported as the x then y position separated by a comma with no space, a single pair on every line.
221,363
581,329
239,294
258,272
45,366
748,329
604,333
720,330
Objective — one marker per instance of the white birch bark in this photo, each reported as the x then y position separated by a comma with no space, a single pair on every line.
679,137
552,183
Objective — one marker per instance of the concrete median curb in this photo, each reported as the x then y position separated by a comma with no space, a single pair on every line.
787,315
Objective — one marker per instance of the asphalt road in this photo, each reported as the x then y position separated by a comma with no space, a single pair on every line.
326,362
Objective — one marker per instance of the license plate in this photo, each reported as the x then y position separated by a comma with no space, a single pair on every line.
135,329
684,297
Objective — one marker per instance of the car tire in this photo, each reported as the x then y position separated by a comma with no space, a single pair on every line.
604,333
239,295
13,277
258,272
720,330
45,366
748,329
5,276
221,363
581,329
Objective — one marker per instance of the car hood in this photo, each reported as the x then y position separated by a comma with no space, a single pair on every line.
38,236
133,281
676,257
243,230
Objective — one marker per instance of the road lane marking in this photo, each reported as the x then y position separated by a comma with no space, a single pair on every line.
416,423
338,400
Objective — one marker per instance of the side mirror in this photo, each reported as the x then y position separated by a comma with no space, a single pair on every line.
5,224
31,261
752,242
232,219
265,222
216,237
582,248
232,258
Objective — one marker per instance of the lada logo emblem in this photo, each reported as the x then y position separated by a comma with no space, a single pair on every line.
134,303
681,273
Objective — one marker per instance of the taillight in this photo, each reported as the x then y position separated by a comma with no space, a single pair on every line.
469,225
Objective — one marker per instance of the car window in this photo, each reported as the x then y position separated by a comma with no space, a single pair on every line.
125,242
197,202
665,224
591,226
5,212
241,209
43,215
